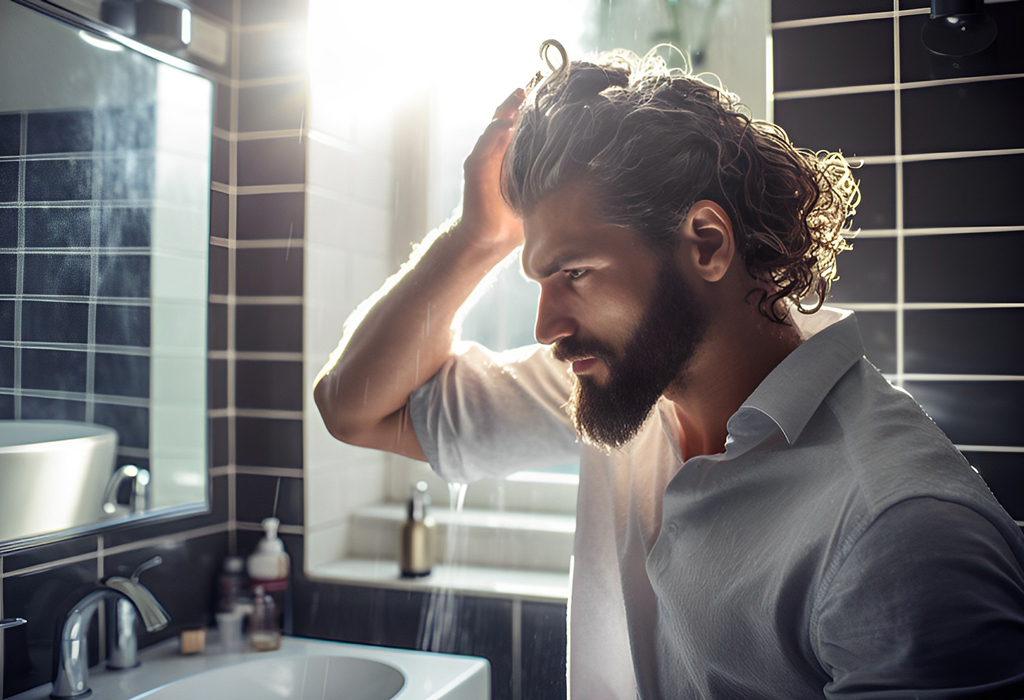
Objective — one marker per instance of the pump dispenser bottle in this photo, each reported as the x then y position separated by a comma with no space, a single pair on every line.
418,535
268,568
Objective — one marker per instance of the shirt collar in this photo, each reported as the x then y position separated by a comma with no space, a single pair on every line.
794,390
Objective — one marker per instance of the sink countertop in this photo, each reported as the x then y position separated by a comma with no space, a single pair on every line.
162,663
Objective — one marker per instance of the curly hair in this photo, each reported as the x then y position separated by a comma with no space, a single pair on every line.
654,140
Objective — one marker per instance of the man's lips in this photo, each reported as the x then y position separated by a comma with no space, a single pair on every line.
583,364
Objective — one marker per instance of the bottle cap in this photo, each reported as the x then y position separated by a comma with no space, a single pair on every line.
234,564
271,542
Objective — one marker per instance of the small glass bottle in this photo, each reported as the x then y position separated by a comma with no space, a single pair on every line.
264,628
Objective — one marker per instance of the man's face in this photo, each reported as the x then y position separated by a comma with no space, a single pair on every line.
615,308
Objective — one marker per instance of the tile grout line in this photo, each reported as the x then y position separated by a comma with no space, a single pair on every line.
808,93
232,423
844,19
900,247
19,284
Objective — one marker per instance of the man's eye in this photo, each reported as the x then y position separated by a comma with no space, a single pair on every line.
575,274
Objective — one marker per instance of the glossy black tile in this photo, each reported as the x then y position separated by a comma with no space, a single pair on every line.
279,216
271,107
128,177
256,496
6,407
57,227
59,132
273,52
987,413
8,228
9,181
217,384
218,442
268,328
57,322
878,331
8,273
269,384
964,341
124,276
7,368
866,57
218,269
269,271
220,161
543,650
219,207
10,134
856,125
65,274
54,370
1004,474
969,267
125,227
217,334
913,4
51,409
58,180
130,422
867,273
1005,56
786,10
268,442
42,598
964,192
963,117
877,209
35,555
122,375
278,161
6,320
118,324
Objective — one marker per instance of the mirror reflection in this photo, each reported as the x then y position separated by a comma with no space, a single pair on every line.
104,210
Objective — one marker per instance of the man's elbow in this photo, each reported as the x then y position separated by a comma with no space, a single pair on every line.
340,426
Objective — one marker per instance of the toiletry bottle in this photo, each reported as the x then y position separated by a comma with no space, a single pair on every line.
268,567
232,586
264,623
418,536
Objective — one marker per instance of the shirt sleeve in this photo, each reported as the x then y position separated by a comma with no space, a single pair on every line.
929,603
487,414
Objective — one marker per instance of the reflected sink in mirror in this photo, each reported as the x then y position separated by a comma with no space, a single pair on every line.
54,474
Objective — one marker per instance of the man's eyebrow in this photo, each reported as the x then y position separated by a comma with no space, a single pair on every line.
563,261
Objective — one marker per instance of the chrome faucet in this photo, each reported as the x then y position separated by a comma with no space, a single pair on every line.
72,675
138,500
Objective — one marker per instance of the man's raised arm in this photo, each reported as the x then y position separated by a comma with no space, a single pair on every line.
401,336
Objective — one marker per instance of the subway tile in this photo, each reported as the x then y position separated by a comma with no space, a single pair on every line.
963,117
268,328
124,276
58,227
7,368
269,271
6,320
222,106
867,273
1004,474
58,180
130,422
787,10
217,333
8,228
6,407
1005,56
268,442
974,413
8,273
856,125
275,161
127,128
273,52
122,375
543,651
914,4
270,11
59,132
9,181
54,370
49,552
218,269
219,442
126,227
58,273
217,384
219,208
10,134
878,331
277,216
33,408
964,192
970,267
866,56
128,177
877,208
118,324
220,161
259,497
272,107
964,341
42,598
269,384
56,322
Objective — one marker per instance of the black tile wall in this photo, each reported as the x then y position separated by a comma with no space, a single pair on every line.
867,272
276,161
121,324
543,650
8,273
54,322
878,331
271,216
6,320
968,267
877,209
974,412
59,132
269,442
1004,474
270,107
10,134
269,384
964,341
804,9
262,497
58,180
856,125
963,117
8,228
964,192
865,58
9,181
58,227
268,328
269,271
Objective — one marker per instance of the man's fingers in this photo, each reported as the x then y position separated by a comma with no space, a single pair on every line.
508,108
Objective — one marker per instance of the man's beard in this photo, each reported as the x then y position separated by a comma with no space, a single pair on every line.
665,341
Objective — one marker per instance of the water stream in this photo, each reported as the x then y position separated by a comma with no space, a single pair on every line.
439,617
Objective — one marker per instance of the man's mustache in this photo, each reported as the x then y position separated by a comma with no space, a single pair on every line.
571,348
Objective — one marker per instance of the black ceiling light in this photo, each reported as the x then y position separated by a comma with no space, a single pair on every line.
163,24
958,28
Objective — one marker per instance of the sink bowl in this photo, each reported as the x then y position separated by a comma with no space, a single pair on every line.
295,677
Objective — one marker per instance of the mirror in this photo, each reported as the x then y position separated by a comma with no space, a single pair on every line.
104,239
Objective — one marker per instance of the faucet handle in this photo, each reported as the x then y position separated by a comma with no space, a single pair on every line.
12,622
145,566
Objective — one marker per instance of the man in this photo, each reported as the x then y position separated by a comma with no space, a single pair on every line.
760,514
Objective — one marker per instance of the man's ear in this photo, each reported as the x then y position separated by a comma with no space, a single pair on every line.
708,243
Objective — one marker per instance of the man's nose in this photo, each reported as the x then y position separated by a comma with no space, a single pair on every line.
554,322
